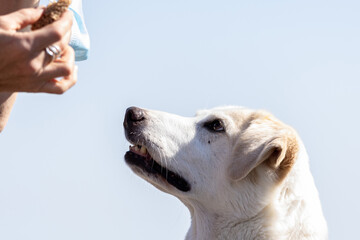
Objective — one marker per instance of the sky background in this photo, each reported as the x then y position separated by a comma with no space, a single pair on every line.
62,172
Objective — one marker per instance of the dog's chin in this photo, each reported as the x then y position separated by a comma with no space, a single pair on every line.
141,162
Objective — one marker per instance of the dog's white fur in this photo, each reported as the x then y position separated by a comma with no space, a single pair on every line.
251,181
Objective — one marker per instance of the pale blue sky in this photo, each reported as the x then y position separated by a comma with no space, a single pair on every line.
62,173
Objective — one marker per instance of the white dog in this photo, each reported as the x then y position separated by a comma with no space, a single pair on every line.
242,173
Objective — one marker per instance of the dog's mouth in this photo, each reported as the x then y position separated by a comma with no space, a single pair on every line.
139,156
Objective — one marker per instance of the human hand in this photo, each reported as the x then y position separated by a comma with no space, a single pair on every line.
24,65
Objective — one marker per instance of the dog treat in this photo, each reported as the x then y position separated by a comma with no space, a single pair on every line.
52,12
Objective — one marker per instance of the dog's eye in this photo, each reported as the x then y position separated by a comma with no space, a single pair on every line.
215,126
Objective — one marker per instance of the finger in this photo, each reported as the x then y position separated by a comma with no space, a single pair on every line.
22,18
62,67
68,55
54,32
47,58
64,42
59,87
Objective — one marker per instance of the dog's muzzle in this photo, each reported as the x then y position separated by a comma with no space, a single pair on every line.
134,122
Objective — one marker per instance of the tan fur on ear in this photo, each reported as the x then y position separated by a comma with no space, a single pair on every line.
290,151
264,140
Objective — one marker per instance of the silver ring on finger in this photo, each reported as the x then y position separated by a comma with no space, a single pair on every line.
50,53
53,51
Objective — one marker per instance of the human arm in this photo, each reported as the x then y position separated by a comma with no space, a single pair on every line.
7,99
24,65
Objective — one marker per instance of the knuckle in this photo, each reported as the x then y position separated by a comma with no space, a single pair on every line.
20,45
25,44
23,12
64,43
60,91
32,68
71,50
68,17
74,80
68,69
57,33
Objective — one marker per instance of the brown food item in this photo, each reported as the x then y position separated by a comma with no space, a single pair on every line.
52,12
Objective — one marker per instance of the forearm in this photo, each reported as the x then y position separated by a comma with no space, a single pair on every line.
8,6
7,99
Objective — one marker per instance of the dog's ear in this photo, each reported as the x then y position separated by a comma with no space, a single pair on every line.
264,141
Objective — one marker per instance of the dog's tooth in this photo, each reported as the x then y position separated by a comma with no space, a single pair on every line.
143,150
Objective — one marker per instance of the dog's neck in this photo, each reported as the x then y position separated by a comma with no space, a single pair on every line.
213,226
268,224
281,219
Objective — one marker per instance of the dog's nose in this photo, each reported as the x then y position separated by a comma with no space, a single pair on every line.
133,116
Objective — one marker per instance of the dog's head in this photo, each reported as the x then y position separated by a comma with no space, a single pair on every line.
227,159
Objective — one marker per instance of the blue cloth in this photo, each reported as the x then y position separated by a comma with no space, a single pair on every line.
80,40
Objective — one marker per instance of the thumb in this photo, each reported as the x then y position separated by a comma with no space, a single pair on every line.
22,18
